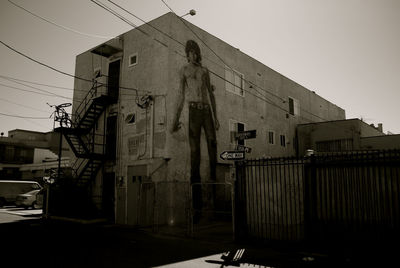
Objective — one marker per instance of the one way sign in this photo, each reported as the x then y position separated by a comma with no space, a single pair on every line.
232,155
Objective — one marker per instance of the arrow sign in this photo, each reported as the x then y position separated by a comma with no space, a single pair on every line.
244,135
232,155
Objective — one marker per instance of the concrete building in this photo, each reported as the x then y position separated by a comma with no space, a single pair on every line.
30,155
136,81
344,135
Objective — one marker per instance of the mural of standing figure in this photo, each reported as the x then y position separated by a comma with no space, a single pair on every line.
195,88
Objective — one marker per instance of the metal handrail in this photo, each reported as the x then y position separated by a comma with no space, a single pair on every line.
82,107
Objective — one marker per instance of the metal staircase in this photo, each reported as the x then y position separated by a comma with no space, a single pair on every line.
87,145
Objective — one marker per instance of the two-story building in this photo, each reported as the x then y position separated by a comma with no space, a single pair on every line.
146,150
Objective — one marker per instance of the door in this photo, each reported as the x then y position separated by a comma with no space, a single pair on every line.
111,138
136,174
113,80
108,199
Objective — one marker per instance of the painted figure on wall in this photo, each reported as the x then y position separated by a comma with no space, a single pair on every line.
195,88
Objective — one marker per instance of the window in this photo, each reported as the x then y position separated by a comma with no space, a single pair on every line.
294,106
334,145
133,59
130,118
234,82
283,140
271,137
235,127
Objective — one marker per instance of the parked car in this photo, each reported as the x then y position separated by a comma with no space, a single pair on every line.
10,189
27,200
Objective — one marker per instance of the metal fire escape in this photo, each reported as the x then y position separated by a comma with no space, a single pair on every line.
80,133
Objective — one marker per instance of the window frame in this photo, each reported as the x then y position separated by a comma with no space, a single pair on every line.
282,139
296,106
269,137
230,82
130,57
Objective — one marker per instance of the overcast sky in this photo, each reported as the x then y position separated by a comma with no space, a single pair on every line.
347,51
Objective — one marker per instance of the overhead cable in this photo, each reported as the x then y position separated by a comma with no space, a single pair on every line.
25,117
58,25
59,71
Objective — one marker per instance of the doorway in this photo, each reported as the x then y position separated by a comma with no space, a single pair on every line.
113,80
111,138
136,174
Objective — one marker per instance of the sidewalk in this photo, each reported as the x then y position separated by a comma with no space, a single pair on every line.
69,244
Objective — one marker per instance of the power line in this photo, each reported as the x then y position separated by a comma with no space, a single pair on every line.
58,25
35,83
26,90
25,117
22,105
42,90
198,37
125,20
263,98
59,71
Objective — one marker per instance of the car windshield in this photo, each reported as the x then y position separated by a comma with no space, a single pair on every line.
34,192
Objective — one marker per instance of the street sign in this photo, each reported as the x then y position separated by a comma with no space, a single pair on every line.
232,155
244,135
243,148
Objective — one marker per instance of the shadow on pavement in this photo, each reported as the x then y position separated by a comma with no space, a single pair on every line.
66,244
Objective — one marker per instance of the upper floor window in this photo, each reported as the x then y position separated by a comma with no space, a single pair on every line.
234,81
294,106
133,59
271,137
283,140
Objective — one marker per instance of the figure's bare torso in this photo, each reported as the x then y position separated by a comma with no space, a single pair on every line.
195,90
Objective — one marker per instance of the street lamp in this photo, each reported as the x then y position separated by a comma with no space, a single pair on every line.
192,12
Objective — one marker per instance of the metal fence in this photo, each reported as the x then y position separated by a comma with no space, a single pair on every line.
353,196
343,196
269,199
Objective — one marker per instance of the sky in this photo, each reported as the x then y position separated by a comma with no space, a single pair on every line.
347,51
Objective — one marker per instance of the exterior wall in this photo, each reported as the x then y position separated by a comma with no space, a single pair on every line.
381,142
309,135
149,141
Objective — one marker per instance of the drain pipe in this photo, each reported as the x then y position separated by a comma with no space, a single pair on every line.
151,145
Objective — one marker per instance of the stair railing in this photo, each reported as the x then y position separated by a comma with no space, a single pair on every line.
86,101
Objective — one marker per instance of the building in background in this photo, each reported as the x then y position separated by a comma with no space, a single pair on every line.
126,95
344,135
30,155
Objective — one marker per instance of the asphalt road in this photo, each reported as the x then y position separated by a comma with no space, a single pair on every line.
26,239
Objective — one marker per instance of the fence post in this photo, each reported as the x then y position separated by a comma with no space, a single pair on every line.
240,221
309,197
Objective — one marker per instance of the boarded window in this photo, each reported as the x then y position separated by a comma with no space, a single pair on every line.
234,82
